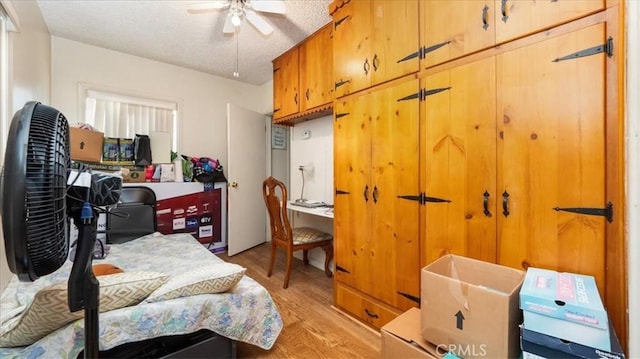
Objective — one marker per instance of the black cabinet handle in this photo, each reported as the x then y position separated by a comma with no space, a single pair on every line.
295,98
307,94
485,17
375,62
372,315
503,9
366,193
485,203
505,203
375,194
366,66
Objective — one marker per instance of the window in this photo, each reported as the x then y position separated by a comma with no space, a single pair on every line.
124,116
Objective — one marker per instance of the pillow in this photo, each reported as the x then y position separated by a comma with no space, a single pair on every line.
211,279
49,309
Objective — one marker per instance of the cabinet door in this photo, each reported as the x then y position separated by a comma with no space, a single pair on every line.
515,18
459,162
551,154
453,28
316,69
393,252
285,84
351,47
352,148
395,34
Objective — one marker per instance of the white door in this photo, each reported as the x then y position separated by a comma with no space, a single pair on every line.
246,169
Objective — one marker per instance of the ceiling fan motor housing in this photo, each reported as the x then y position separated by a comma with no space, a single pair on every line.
33,191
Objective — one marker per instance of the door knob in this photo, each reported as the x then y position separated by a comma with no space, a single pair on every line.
233,184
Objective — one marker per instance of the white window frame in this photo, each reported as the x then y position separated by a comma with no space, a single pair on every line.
8,22
91,90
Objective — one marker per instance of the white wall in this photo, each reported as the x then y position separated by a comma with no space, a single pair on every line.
201,97
30,77
316,151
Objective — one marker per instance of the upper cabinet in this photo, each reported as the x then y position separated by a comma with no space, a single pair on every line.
374,42
285,84
302,79
316,69
452,29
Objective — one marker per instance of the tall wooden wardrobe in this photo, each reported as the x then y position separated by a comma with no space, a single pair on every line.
497,136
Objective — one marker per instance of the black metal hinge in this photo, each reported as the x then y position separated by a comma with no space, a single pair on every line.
340,83
410,297
338,115
341,192
422,198
276,69
426,50
606,212
340,21
607,48
340,269
422,94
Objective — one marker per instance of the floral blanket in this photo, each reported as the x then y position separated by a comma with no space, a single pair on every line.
247,313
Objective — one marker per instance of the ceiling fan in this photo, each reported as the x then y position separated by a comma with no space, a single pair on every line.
239,9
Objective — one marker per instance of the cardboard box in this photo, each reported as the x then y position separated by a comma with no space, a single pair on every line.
566,296
565,305
197,214
133,175
85,145
562,348
472,307
111,150
581,334
401,338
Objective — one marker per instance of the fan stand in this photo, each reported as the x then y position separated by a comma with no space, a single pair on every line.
83,287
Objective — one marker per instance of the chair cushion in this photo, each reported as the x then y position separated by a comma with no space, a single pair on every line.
50,309
303,235
211,279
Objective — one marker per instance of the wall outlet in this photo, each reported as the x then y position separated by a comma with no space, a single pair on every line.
306,134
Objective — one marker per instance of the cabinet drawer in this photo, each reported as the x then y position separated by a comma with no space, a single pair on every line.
363,308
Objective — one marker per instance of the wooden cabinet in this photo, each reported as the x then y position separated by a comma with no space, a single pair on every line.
302,79
451,29
374,42
522,166
375,229
285,84
316,69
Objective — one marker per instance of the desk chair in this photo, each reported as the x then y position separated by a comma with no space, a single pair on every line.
134,216
291,240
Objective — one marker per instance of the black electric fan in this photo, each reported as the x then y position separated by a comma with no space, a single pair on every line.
39,194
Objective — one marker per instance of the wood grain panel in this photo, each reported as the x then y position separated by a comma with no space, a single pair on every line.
369,311
285,81
351,46
551,154
524,17
459,162
316,69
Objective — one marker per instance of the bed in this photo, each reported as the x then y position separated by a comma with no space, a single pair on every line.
245,313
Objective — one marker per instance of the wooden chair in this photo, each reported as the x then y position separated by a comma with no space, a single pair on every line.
291,240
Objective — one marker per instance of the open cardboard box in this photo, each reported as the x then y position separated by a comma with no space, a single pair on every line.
471,306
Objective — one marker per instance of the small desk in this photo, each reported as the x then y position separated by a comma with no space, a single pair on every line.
326,212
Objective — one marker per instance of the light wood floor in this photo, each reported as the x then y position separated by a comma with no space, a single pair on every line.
312,328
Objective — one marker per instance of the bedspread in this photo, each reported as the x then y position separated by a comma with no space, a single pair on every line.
246,313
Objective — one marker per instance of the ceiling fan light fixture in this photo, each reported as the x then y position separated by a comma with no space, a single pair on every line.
235,20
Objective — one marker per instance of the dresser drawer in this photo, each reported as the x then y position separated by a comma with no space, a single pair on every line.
365,309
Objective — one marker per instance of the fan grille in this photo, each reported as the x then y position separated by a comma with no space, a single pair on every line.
45,190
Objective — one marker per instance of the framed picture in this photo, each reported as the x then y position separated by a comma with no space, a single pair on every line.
278,137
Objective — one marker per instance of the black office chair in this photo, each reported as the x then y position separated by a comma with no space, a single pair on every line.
134,216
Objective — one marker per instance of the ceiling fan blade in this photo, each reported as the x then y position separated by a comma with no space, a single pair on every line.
209,6
228,25
272,6
258,22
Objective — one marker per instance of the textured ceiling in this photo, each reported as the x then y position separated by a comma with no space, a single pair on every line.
163,30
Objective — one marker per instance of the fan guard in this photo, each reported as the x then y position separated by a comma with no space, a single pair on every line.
34,206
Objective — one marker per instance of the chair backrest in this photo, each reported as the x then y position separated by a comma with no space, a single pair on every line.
274,193
134,216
